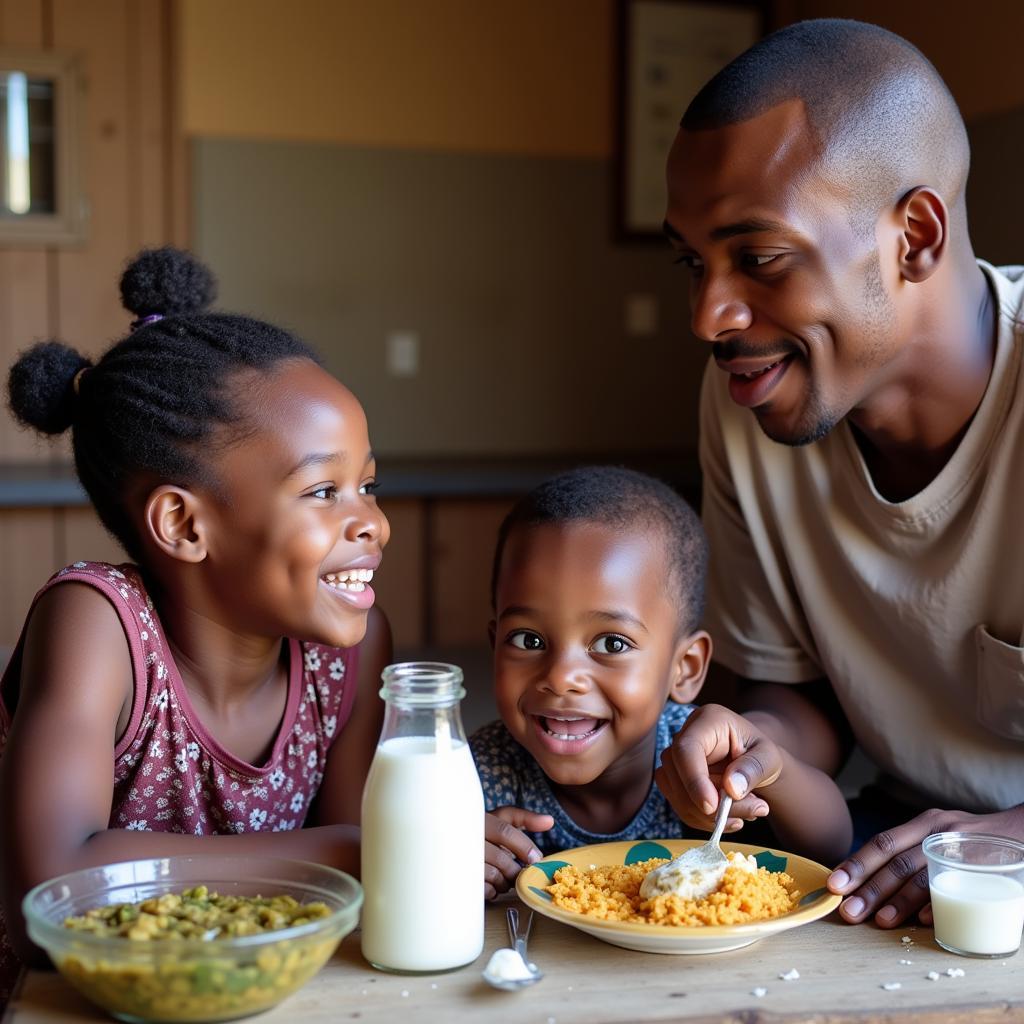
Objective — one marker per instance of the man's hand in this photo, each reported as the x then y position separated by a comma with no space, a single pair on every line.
717,748
507,849
888,877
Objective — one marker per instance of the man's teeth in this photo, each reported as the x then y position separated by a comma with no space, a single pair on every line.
350,579
761,372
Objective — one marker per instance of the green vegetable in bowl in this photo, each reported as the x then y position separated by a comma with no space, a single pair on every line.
196,913
194,983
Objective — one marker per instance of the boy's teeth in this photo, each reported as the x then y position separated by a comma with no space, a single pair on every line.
350,579
570,728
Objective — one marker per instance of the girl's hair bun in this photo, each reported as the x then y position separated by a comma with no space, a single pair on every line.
166,281
41,386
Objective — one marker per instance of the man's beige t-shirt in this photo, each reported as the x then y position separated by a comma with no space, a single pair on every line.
913,610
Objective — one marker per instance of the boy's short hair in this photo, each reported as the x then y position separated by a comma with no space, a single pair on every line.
628,500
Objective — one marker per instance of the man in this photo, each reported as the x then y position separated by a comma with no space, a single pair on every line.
862,444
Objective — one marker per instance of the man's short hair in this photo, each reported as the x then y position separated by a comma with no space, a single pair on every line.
882,116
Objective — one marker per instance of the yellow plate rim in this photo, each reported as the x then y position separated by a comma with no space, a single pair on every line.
803,915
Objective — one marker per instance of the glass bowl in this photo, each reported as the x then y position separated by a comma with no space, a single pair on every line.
191,979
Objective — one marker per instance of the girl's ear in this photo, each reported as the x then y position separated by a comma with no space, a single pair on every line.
924,231
173,521
689,667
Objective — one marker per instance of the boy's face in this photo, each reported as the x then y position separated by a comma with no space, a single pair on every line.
587,646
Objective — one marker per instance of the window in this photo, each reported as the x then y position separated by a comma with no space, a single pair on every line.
41,201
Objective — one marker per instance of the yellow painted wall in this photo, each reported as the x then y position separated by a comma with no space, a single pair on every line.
528,76
976,47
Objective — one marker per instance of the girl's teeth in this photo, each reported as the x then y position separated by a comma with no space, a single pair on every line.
354,580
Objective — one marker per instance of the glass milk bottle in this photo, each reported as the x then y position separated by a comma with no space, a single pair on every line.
422,829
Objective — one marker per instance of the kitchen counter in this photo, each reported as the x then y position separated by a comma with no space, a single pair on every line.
31,485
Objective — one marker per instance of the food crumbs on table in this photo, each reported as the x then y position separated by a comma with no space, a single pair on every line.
791,975
891,986
905,939
405,993
908,962
759,991
433,984
955,972
932,975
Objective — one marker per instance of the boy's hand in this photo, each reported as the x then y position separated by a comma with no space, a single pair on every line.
717,748
507,849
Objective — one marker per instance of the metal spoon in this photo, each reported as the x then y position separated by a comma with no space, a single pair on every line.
707,857
503,970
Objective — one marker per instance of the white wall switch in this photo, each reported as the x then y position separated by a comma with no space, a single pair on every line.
640,315
403,353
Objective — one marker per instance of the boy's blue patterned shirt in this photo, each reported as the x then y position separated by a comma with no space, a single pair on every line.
511,777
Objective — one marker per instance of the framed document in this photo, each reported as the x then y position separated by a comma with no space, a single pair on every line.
667,50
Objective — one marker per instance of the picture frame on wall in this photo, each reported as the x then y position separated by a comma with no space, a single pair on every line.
667,50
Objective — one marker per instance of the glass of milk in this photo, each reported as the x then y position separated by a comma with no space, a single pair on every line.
977,891
422,829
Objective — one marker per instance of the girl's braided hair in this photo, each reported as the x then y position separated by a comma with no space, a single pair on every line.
144,413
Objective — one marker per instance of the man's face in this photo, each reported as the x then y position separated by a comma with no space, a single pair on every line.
786,282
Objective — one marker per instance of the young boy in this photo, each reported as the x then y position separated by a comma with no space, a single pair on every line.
598,591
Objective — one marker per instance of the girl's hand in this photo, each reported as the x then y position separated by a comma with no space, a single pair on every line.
717,748
507,849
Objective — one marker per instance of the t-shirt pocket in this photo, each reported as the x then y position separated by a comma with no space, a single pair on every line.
1000,705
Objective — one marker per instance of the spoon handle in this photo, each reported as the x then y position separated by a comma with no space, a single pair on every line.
724,806
517,940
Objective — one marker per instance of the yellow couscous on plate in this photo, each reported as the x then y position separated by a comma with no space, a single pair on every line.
613,894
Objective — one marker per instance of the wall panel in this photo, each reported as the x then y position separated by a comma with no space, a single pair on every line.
24,298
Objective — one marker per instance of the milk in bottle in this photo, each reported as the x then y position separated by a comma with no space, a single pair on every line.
422,829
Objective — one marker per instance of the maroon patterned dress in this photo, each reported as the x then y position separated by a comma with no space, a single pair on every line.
170,774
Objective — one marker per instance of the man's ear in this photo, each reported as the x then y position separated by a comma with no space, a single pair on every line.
173,520
924,232
689,667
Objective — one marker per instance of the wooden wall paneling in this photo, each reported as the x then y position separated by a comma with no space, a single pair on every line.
24,314
400,582
147,123
22,23
179,218
464,533
24,319
28,555
81,536
89,306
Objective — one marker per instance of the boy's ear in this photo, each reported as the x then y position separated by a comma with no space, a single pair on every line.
924,231
174,523
689,667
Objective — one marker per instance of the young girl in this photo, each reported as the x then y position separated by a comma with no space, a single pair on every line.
598,593
219,694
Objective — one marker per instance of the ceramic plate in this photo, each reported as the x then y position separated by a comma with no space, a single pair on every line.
655,938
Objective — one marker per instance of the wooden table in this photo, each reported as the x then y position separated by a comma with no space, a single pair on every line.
842,971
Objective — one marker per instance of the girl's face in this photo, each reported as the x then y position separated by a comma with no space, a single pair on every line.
587,646
295,535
